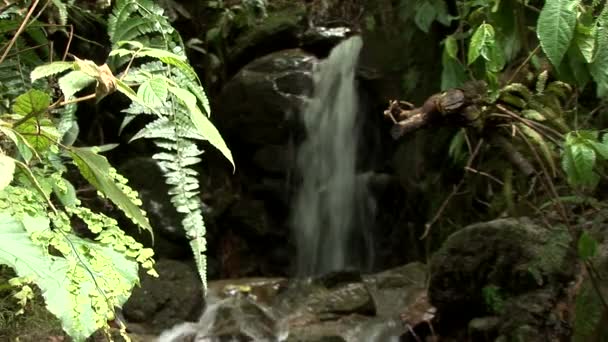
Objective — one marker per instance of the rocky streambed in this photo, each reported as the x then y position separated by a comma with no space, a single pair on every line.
340,306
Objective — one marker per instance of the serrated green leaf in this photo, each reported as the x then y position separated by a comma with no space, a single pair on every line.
32,101
7,171
599,68
555,28
74,82
50,69
153,92
96,170
587,246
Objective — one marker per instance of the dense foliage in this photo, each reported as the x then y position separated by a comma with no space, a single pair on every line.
545,66
83,263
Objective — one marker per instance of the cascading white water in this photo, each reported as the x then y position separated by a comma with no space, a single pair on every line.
326,205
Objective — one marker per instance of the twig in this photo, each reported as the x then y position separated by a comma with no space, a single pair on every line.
538,127
19,31
428,225
470,169
521,66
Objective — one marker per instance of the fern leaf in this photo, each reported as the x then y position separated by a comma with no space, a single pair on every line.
161,128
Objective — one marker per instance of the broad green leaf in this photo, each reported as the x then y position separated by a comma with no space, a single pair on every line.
453,74
96,170
599,68
153,92
601,149
50,69
587,246
74,82
578,161
51,273
31,102
425,15
451,47
555,28
202,123
7,170
585,39
480,43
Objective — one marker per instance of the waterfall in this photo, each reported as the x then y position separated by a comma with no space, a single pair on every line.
328,206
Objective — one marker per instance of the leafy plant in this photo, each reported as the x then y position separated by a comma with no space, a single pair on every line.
493,298
82,279
87,269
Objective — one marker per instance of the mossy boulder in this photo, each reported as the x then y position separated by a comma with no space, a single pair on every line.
512,268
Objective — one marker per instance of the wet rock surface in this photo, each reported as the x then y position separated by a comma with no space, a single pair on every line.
357,308
278,85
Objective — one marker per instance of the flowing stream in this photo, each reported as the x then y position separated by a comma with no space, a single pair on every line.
328,205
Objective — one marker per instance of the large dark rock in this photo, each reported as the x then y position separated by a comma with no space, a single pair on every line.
512,268
254,106
175,296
